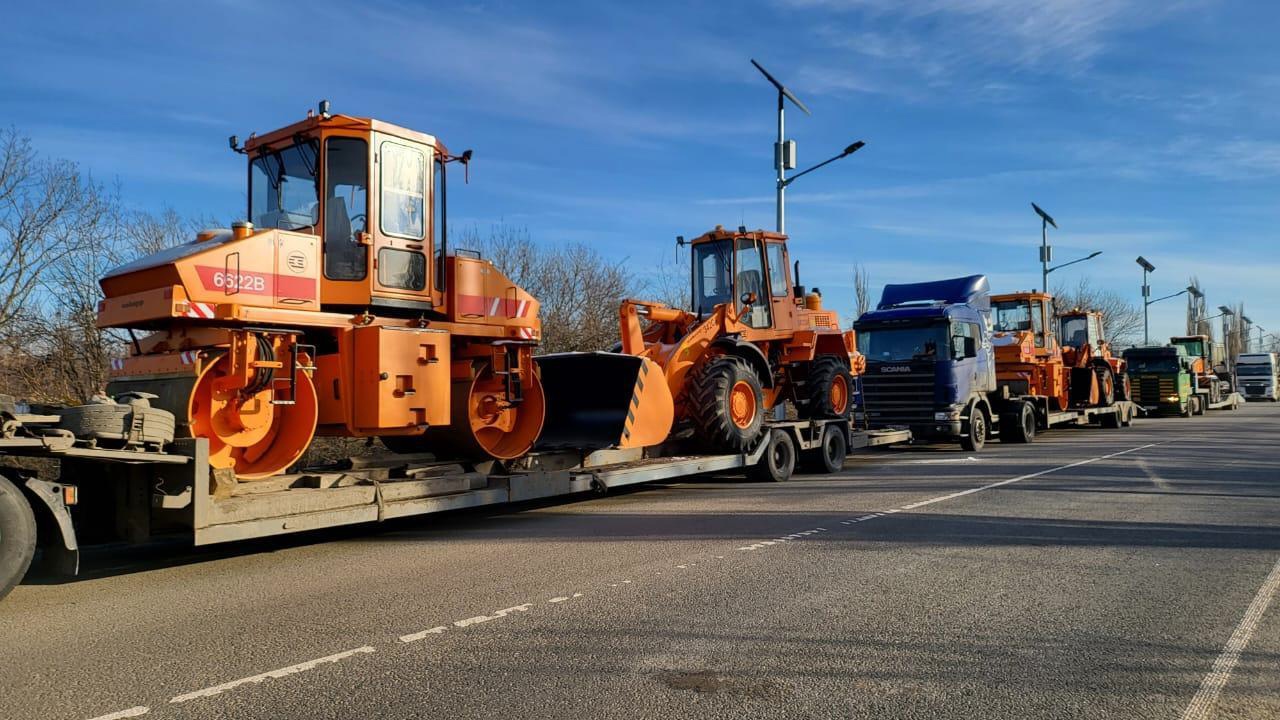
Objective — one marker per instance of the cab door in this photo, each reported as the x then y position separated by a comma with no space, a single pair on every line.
784,306
401,236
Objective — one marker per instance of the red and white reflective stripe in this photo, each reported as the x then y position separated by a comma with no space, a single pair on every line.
521,307
189,357
493,309
200,310
527,333
117,363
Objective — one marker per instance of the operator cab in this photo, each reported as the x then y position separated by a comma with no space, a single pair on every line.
746,269
1080,328
1024,313
367,189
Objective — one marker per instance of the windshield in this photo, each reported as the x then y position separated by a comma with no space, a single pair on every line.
903,343
1155,364
1012,316
1075,331
1262,370
282,188
1195,348
712,275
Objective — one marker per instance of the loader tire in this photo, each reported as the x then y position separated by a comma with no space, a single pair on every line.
1106,385
829,389
17,536
726,404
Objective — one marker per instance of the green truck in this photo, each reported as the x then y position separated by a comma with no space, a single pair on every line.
1161,378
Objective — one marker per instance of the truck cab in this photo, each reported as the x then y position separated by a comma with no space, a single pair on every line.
1162,380
1258,376
929,362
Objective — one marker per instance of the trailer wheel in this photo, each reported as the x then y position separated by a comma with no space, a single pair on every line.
778,461
1018,426
17,536
1188,410
727,404
976,436
830,455
1126,417
1197,407
1110,420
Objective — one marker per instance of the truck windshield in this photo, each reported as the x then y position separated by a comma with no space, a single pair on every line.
283,192
1195,348
712,275
1012,316
1156,364
903,343
1259,369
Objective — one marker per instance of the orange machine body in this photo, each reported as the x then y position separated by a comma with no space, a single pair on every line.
1027,353
338,310
745,303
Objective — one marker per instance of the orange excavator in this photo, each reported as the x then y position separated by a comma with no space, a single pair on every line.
752,341
1076,372
338,309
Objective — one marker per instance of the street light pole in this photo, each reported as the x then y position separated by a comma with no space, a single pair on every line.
784,151
1046,252
1147,267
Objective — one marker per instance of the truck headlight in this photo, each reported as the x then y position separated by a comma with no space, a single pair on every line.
947,415
1172,398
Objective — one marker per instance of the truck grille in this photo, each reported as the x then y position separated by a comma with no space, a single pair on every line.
899,398
1152,389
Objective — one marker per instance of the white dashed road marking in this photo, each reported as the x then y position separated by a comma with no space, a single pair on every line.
270,674
131,712
414,637
1202,704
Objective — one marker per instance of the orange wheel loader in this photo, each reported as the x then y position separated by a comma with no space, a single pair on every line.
752,341
338,309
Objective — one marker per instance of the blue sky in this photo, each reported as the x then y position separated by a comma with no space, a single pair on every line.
1144,128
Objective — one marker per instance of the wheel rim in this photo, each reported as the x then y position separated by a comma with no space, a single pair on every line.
742,404
979,428
779,455
839,395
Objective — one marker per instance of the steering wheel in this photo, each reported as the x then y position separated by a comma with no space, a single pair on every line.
364,220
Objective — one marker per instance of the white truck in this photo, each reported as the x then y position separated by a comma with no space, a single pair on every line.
1258,376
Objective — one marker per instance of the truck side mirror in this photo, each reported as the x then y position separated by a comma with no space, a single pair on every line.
971,347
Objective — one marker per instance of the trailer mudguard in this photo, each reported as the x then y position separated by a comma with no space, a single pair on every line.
60,552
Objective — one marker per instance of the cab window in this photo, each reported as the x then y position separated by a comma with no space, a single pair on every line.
1037,321
403,198
346,208
777,270
750,285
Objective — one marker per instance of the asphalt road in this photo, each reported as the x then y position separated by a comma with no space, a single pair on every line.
1097,573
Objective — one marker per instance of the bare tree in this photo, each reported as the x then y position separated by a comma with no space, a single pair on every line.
578,290
1121,316
49,210
861,290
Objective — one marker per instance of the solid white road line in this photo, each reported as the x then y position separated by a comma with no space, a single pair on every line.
1211,687
131,712
270,674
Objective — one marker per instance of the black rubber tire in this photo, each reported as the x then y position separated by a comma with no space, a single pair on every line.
975,436
1018,426
17,536
1187,410
1110,421
829,456
1197,407
824,372
709,397
1106,385
778,461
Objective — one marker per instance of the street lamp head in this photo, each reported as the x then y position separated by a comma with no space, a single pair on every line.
1094,254
1044,215
1246,319
853,148
1194,292
1226,310
1146,265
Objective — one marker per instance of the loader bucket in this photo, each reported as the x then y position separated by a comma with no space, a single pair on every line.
600,400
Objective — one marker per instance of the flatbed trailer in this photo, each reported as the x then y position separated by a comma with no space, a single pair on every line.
1230,401
104,495
1018,413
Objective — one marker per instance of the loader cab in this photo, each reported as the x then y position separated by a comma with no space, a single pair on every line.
367,189
748,270
1079,328
1025,313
